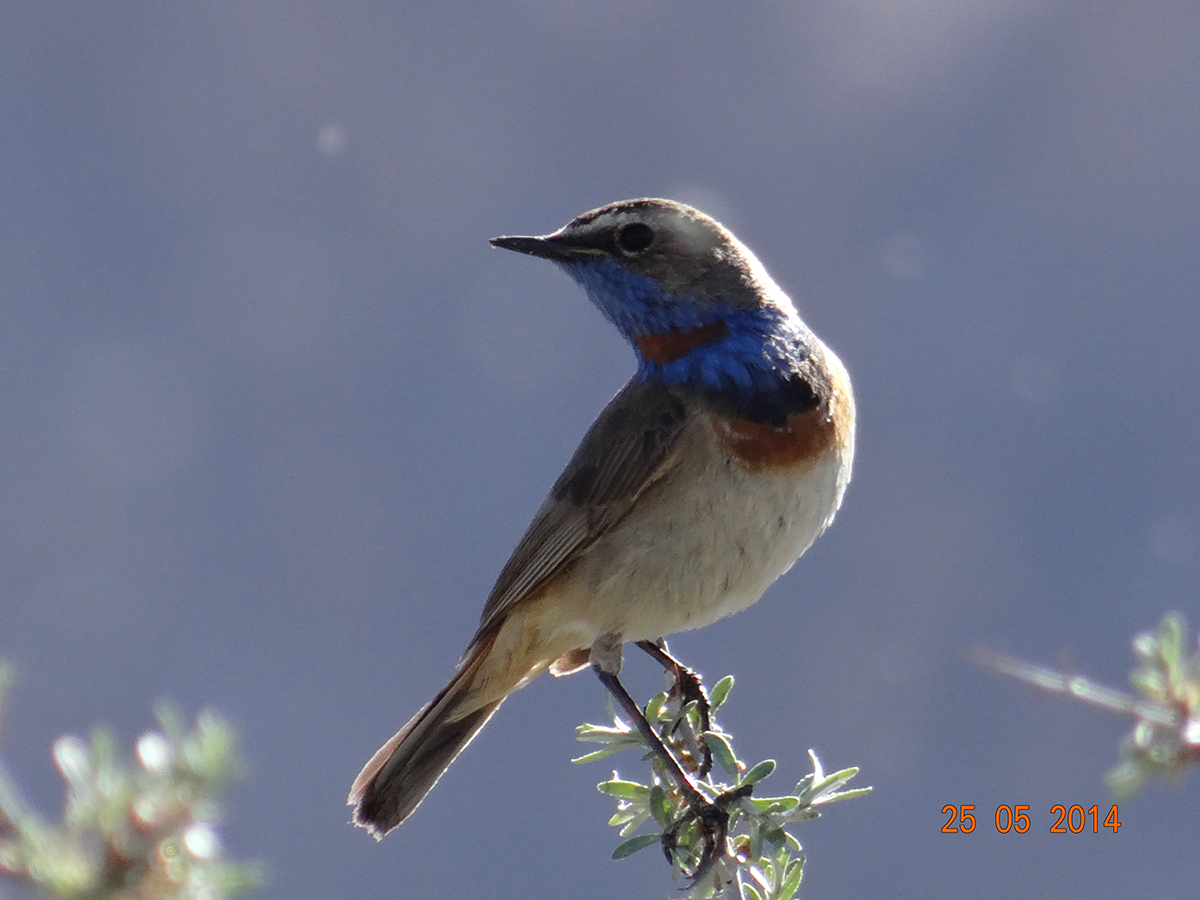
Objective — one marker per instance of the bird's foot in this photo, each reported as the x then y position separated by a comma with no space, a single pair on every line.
711,817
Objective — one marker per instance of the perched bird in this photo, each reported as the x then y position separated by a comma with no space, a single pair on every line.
701,482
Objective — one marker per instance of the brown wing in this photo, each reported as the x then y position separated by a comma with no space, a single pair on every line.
629,447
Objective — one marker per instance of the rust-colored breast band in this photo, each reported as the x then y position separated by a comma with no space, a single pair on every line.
671,345
797,445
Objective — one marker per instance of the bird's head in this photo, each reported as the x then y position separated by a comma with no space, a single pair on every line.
659,271
697,306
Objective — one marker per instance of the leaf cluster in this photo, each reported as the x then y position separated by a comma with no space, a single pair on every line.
762,860
1166,734
131,829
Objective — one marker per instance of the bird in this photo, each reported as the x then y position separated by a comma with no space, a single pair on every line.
703,480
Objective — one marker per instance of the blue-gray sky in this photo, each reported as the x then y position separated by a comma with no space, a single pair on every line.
274,413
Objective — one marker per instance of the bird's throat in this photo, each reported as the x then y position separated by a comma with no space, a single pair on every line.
744,363
666,347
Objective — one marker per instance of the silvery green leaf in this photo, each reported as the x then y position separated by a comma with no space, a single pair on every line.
719,693
633,845
722,752
759,772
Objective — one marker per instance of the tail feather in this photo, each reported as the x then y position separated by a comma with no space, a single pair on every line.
406,768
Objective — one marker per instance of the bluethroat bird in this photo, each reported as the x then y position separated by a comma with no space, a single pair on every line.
701,482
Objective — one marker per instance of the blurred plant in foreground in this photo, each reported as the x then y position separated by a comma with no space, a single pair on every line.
130,830
761,861
1166,733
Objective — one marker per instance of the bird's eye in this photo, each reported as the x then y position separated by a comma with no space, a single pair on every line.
634,238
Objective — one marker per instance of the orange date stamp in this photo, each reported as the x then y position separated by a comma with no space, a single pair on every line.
1072,819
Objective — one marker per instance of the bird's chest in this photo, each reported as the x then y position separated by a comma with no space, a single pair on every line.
711,537
771,492
790,450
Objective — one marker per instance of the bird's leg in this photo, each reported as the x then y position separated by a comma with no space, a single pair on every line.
711,815
688,688
606,661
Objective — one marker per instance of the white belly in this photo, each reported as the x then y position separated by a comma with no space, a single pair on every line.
705,545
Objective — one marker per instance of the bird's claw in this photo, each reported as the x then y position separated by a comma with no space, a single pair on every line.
712,818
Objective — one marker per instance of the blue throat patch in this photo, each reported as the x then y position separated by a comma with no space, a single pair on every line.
753,364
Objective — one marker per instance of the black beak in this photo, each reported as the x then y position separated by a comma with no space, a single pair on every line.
550,246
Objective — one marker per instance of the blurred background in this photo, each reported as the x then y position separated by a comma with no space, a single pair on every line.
274,414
